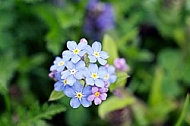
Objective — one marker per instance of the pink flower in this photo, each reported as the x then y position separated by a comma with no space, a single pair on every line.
98,95
120,64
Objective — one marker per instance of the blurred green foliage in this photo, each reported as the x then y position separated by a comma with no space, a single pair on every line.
153,36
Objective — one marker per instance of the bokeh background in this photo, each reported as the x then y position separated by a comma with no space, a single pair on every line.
152,35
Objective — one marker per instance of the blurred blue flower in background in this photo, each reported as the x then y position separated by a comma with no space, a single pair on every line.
79,95
99,18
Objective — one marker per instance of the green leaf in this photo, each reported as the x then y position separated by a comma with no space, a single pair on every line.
121,80
55,95
36,114
155,96
183,113
114,103
110,46
8,65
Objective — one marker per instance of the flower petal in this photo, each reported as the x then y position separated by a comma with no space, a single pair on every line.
79,75
96,46
91,97
69,91
92,59
87,72
53,67
70,65
81,53
71,45
67,55
103,96
93,68
77,86
80,65
89,81
82,45
58,86
71,80
75,59
102,73
94,89
97,101
85,102
99,83
113,78
87,90
103,90
65,74
75,103
102,61
104,54
89,50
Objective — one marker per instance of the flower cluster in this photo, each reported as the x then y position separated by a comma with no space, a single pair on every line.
82,73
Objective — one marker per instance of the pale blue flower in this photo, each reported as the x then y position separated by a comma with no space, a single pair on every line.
95,53
58,64
75,51
73,72
61,83
79,95
110,76
94,76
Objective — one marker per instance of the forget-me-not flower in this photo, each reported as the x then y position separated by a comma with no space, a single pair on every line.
79,94
110,76
94,76
75,51
59,64
98,95
95,53
60,83
74,72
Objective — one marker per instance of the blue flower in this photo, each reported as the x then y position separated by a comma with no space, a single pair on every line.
60,84
110,76
59,64
75,51
79,94
95,53
73,72
94,76
99,18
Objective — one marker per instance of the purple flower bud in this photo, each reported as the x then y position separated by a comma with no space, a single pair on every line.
120,64
83,40
51,74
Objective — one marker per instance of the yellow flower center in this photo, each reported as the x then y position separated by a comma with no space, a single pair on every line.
97,94
65,81
107,77
96,54
79,95
61,63
94,75
76,51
